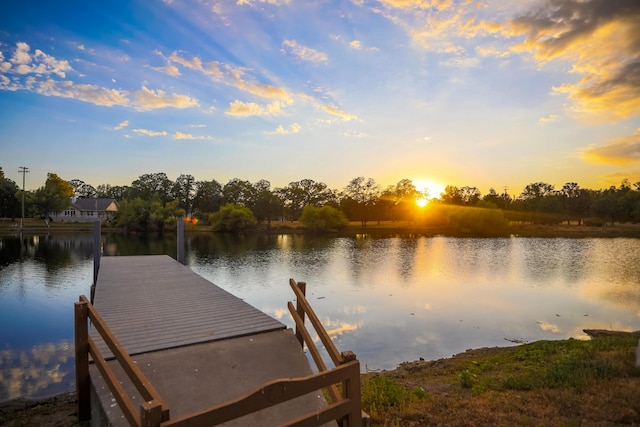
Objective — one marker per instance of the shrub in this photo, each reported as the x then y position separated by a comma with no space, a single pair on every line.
232,217
325,218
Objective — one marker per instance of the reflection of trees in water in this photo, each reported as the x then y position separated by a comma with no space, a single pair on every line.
117,244
54,251
41,371
548,260
407,258
9,250
259,249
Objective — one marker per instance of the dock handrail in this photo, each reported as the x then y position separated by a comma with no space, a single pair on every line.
154,407
299,313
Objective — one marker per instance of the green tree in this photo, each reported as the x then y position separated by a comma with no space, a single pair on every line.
163,215
133,215
364,195
232,217
9,203
82,189
238,192
540,203
208,198
184,191
149,184
470,195
326,218
476,220
451,196
576,202
306,192
405,196
265,204
55,196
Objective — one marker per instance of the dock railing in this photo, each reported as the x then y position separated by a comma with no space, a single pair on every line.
341,382
152,412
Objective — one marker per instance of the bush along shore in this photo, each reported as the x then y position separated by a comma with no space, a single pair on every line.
556,383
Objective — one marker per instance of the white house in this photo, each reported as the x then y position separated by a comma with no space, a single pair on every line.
87,210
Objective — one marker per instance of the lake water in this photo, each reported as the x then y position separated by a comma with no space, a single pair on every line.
389,300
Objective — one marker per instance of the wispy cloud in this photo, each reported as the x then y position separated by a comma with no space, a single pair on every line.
337,112
147,132
148,99
254,2
623,151
245,109
122,125
303,52
222,73
281,130
180,135
548,119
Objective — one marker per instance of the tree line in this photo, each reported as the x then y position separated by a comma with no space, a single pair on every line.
153,200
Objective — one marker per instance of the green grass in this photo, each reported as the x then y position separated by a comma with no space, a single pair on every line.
379,394
570,364
560,383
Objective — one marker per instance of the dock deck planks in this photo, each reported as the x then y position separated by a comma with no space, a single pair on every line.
196,343
154,303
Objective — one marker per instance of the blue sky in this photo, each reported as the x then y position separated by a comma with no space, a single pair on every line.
480,93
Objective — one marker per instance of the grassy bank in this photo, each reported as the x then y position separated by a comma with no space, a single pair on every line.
555,383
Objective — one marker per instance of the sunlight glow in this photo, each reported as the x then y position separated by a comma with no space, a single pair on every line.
422,202
431,187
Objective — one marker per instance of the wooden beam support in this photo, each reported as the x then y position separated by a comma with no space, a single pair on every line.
83,384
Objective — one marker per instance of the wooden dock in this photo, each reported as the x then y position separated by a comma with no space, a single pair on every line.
176,349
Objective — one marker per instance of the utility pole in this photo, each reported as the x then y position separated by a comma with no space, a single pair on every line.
23,170
506,196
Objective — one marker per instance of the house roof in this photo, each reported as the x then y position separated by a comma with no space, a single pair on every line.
93,204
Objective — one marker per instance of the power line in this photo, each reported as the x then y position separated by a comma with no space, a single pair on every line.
23,170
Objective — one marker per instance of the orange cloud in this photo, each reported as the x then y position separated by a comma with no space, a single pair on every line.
147,99
601,39
147,132
244,109
621,152
336,112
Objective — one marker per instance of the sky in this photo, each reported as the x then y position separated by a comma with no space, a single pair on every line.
490,94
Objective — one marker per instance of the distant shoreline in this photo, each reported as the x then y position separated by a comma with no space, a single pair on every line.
373,228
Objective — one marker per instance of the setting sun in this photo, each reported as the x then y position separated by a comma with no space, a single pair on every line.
429,188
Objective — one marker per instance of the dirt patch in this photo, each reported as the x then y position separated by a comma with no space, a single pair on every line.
56,411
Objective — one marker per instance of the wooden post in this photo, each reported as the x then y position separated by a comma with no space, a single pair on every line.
180,253
96,250
303,287
351,392
151,414
81,314
638,355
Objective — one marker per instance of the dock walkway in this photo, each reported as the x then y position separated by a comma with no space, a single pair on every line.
197,344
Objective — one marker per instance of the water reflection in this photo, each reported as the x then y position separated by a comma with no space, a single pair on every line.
389,299
43,370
